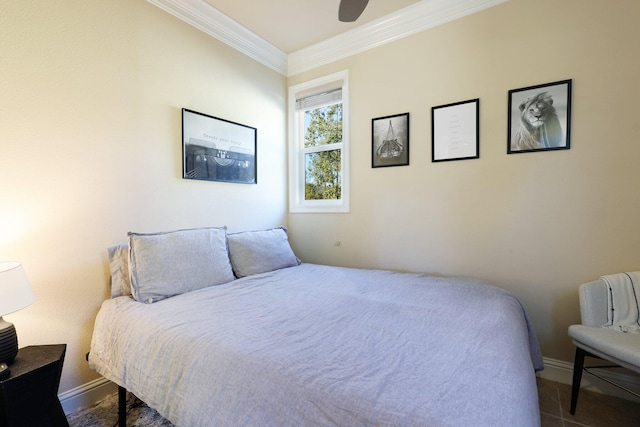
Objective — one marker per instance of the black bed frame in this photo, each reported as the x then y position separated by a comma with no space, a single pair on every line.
122,406
122,402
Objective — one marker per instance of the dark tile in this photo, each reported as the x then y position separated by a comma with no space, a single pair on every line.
547,420
572,424
548,397
597,409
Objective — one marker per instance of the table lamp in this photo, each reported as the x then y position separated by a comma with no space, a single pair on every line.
15,294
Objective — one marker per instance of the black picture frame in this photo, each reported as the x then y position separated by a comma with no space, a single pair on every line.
455,131
215,149
390,141
540,118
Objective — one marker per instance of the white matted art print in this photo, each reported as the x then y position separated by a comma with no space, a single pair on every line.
455,131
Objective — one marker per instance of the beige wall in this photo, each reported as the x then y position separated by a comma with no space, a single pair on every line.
90,148
537,224
90,98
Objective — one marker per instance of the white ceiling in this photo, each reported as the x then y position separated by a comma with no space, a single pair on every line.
291,25
292,36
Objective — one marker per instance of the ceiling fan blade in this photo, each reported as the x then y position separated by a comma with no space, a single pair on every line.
350,10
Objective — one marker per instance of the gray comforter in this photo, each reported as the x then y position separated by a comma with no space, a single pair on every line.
318,345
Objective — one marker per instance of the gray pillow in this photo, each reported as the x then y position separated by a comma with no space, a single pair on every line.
167,264
254,252
119,267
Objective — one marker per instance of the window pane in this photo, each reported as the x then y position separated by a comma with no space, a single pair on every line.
323,125
318,111
323,175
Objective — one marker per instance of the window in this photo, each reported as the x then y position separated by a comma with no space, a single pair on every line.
318,145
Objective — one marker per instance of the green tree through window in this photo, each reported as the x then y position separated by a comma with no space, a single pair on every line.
323,174
318,112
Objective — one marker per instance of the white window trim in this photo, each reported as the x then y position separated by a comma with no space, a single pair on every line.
297,202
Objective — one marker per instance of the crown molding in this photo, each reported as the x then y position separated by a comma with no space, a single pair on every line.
210,20
408,21
413,19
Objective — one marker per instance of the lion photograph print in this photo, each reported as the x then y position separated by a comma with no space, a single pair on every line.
540,118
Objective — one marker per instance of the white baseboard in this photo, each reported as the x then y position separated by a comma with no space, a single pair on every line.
86,395
554,370
562,372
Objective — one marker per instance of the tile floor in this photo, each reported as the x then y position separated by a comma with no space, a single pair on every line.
593,410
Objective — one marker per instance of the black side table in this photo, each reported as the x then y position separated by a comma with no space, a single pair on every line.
29,396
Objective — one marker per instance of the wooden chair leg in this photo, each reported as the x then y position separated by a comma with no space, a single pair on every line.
578,365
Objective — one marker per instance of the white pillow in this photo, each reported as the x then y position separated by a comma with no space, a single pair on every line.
119,267
254,252
167,264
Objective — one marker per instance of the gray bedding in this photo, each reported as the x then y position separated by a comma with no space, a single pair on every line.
317,345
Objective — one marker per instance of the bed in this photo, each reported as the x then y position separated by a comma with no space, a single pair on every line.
308,344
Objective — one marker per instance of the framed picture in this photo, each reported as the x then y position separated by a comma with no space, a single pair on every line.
390,141
215,149
540,118
455,131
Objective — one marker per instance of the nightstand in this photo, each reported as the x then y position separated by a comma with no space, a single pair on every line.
29,396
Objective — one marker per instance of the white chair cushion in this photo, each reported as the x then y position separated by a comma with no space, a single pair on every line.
619,347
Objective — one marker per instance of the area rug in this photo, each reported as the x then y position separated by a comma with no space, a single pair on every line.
105,414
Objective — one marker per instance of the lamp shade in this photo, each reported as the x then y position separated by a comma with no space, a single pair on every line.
15,290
